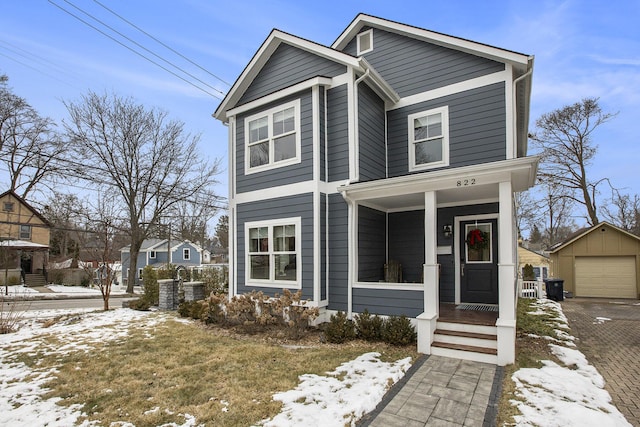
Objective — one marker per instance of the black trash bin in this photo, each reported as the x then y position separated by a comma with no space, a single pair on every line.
555,289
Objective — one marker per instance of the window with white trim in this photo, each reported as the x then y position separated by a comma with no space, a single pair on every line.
273,251
25,232
273,138
186,254
429,139
365,42
152,254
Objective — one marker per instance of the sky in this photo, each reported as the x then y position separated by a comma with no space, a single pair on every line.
582,48
566,393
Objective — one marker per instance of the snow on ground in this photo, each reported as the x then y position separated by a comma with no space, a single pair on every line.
342,396
58,290
347,393
571,394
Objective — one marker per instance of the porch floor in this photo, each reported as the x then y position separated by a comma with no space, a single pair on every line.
449,313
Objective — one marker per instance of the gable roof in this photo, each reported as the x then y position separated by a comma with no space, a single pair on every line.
269,46
27,205
583,232
475,48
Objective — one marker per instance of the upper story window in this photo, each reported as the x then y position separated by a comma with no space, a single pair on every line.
25,232
152,254
429,139
273,248
365,42
186,254
273,138
8,206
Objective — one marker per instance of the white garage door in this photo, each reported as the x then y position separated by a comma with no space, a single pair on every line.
606,277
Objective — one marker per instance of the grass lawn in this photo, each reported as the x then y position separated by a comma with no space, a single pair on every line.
154,374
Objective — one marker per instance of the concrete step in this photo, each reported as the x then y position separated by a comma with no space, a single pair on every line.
33,280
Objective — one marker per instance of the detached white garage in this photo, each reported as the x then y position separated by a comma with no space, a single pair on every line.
601,262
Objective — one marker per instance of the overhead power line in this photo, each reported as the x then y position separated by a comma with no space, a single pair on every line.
132,49
161,43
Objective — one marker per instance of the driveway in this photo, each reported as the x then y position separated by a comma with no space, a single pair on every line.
612,346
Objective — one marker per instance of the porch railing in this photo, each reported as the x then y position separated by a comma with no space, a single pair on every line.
531,289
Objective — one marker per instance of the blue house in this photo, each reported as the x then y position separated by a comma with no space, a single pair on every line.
379,173
155,252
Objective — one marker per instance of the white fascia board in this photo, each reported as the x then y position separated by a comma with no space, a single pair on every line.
154,247
306,187
456,43
521,172
262,56
478,82
307,84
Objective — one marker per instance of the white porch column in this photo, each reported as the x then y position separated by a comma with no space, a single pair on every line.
506,323
427,320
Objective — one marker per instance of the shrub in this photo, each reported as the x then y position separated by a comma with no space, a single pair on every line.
13,280
216,280
399,331
242,310
192,309
291,311
339,329
369,327
139,304
150,283
528,273
213,309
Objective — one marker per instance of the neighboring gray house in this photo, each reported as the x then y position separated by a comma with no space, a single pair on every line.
154,252
379,172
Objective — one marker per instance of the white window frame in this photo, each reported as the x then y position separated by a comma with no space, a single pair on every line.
272,164
26,233
368,34
186,254
272,282
152,254
444,112
140,271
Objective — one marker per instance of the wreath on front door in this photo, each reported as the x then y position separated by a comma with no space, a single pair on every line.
477,239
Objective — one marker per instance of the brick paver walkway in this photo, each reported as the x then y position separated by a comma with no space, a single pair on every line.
612,346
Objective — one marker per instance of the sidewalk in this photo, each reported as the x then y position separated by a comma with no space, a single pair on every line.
440,391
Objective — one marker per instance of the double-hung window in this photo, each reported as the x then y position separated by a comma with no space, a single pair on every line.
273,251
25,232
186,254
429,139
273,138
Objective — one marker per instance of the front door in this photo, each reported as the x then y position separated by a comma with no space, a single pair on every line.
479,261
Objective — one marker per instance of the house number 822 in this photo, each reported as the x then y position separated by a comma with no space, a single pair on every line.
465,182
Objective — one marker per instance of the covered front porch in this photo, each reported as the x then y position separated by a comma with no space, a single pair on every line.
420,225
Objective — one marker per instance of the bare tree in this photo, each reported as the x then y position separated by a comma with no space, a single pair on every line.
190,218
527,211
151,160
104,224
556,208
29,147
624,211
564,137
